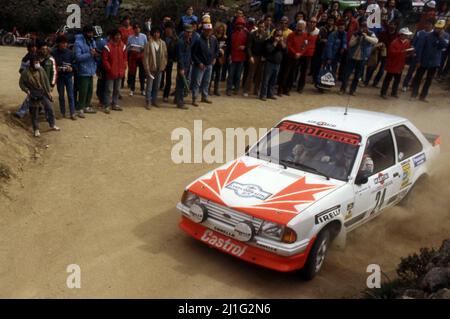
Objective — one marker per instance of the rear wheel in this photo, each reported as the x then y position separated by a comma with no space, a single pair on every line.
316,256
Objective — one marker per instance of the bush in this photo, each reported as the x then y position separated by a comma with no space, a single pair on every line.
414,267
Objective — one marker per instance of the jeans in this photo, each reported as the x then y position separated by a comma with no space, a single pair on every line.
358,67
387,81
85,91
112,8
112,87
153,87
418,78
216,75
234,76
182,86
200,81
409,75
302,69
269,80
49,114
65,81
168,80
24,108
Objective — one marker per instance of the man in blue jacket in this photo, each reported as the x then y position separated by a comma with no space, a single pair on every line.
429,55
64,59
184,65
336,45
85,56
360,46
204,53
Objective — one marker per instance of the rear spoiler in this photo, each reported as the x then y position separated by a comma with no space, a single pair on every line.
433,139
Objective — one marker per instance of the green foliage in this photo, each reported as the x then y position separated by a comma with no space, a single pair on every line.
413,267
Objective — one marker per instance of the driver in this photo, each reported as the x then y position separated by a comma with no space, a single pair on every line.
305,149
367,165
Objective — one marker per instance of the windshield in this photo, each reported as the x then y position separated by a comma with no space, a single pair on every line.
309,148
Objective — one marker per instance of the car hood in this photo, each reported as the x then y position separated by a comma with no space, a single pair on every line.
262,189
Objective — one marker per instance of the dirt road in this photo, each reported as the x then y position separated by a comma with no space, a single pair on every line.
103,196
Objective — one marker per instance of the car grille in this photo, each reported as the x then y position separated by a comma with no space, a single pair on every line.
229,216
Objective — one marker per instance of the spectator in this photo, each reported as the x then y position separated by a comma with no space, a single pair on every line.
298,17
112,8
429,13
220,32
284,23
279,10
320,52
135,46
147,26
188,18
336,46
275,47
396,57
313,33
155,62
308,7
184,65
335,10
34,82
85,56
239,39
101,73
268,25
255,52
394,14
204,54
171,40
385,39
25,63
359,50
429,55
64,59
47,63
412,60
114,57
126,30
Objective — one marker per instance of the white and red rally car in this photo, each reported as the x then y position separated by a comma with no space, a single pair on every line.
313,178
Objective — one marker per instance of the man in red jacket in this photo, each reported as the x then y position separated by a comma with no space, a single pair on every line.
297,43
114,59
239,39
396,56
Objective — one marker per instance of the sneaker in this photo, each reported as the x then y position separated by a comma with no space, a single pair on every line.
165,100
107,110
404,89
263,99
206,101
341,92
143,93
73,117
90,110
81,114
55,128
116,108
37,133
195,104
131,94
147,106
245,94
352,93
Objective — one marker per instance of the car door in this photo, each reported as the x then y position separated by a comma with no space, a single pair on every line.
382,183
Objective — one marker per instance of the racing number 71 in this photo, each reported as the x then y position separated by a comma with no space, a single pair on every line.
379,199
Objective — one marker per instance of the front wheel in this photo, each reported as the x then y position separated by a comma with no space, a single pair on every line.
316,256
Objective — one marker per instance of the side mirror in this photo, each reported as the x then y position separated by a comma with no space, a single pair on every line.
362,178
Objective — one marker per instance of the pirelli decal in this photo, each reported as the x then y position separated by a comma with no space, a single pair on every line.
321,132
328,214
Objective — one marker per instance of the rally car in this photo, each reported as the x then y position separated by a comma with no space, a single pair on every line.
311,179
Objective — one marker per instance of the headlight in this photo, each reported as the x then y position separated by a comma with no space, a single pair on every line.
271,230
289,236
188,198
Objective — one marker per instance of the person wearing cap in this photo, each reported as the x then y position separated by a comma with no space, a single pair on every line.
429,56
238,55
34,82
360,47
429,12
64,59
135,47
155,62
297,43
204,52
85,57
395,63
184,61
114,60
255,52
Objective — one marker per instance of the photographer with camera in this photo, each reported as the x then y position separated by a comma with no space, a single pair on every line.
64,59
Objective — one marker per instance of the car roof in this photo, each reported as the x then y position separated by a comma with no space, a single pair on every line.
357,121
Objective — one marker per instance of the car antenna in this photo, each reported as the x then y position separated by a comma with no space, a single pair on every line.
348,104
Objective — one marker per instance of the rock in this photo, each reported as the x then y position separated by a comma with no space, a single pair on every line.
441,294
413,294
436,278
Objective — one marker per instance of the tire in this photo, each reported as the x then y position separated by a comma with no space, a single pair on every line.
316,256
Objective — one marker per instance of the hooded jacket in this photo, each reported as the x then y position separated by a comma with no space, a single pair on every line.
86,63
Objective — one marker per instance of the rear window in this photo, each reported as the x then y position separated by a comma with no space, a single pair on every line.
407,142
